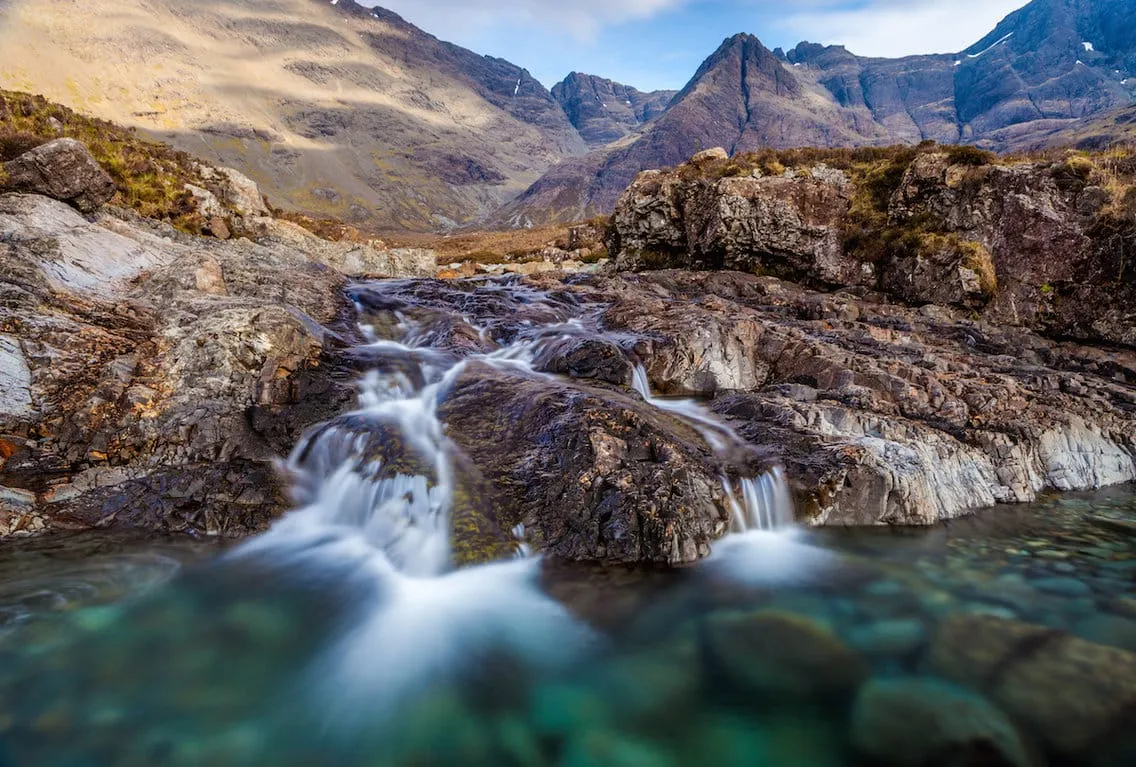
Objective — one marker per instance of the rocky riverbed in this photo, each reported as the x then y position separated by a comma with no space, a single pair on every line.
1007,639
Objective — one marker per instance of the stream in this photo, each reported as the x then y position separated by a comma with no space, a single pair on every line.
354,633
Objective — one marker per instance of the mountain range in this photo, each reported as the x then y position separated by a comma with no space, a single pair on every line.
341,110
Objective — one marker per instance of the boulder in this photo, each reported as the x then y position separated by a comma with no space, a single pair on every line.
915,722
783,656
238,192
1057,262
592,473
786,225
1074,696
64,170
709,155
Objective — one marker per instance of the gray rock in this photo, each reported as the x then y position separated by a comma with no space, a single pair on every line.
168,374
350,258
62,169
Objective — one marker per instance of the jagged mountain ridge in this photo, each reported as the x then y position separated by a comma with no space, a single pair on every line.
1043,70
604,111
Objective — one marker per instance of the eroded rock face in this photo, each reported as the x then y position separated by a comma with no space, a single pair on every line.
884,414
154,376
1033,245
62,169
788,224
1060,265
881,413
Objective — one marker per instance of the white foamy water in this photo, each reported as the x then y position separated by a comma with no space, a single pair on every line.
376,490
758,503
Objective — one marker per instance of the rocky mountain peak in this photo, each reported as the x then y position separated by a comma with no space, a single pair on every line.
604,111
743,61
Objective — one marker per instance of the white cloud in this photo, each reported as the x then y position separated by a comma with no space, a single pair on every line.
900,27
580,18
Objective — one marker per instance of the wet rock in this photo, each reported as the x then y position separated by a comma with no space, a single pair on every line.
63,169
588,358
887,439
593,473
779,655
916,722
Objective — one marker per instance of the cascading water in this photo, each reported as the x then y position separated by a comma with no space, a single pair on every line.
764,502
401,508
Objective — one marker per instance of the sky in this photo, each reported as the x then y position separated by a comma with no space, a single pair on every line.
655,44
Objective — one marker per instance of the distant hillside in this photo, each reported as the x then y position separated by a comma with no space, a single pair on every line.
334,109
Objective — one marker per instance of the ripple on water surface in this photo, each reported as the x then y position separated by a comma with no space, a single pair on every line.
1006,639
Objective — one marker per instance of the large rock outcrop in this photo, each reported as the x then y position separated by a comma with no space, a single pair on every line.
789,224
884,414
1042,245
1058,240
152,377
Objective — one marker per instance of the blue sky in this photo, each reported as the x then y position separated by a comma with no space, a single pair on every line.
660,43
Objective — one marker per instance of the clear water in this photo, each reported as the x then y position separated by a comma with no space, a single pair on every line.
253,660
349,635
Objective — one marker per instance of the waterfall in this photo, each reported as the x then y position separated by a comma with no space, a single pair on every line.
757,503
384,473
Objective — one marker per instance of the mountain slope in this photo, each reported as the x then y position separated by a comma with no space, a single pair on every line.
333,109
604,111
1046,68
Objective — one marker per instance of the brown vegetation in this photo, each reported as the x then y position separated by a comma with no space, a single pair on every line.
150,177
516,245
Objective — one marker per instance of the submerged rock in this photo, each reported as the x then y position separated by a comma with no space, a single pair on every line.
783,656
1075,696
916,722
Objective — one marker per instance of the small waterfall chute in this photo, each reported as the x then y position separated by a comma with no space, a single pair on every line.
764,502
